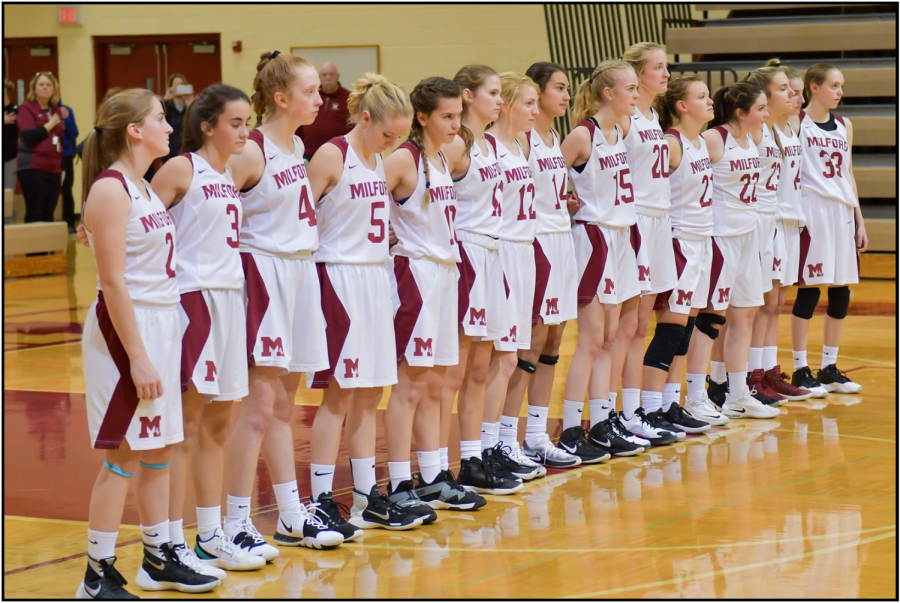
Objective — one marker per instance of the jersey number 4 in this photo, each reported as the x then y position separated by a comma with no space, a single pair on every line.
306,209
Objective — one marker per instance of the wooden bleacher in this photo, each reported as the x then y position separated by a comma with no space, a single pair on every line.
34,249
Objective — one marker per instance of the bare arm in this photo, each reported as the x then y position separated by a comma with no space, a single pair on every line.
401,173
675,152
106,216
457,158
862,238
325,169
715,146
576,147
173,180
248,167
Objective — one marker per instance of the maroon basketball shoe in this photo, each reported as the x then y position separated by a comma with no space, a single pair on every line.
778,381
760,390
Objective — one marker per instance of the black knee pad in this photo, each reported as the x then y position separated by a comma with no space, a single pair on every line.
661,351
686,340
805,304
708,324
838,302
551,360
527,366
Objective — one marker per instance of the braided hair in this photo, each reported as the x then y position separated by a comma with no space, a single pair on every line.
425,98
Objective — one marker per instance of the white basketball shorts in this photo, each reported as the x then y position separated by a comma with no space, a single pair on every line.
607,264
425,311
482,293
828,253
519,276
771,249
556,279
736,278
790,258
656,257
693,262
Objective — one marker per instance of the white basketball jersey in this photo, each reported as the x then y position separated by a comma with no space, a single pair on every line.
790,198
604,183
354,215
279,213
826,161
692,188
548,168
208,221
735,182
769,172
648,158
427,231
150,258
517,188
478,193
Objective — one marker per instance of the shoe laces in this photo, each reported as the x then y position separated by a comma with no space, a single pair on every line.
111,574
840,373
189,558
251,532
306,515
226,545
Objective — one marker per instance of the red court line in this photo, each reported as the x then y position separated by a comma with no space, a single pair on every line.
31,346
866,366
5,316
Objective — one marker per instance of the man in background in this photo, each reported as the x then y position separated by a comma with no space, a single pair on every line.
333,118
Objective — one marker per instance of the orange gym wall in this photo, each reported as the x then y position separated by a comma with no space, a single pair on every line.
416,40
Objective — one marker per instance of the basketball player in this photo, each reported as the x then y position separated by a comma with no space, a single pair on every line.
735,287
348,184
517,199
131,347
646,413
482,296
556,274
199,192
835,233
424,288
683,111
773,147
597,160
285,325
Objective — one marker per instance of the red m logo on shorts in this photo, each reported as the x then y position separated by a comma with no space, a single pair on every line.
272,345
553,306
423,347
351,368
776,264
724,294
610,286
210,370
512,334
150,427
685,298
815,270
478,315
643,273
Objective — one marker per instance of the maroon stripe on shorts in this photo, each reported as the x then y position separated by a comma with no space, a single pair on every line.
804,251
337,326
506,285
542,278
662,299
196,334
717,261
593,272
410,304
124,400
466,281
257,301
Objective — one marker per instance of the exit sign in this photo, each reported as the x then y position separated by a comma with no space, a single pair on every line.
70,15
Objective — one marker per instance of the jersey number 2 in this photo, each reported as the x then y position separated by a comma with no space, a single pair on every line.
170,241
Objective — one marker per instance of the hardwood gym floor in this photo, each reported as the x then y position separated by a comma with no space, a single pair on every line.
799,507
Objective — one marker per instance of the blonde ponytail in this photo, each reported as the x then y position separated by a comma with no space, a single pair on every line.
587,98
382,99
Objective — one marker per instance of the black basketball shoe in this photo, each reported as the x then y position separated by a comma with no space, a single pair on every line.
169,573
406,498
834,379
486,478
683,420
446,493
803,378
605,436
329,512
716,392
374,510
103,581
574,441
658,419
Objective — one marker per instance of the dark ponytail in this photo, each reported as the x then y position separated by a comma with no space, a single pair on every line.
728,99
207,107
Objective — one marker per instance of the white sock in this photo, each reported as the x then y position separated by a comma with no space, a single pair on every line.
799,359
487,434
572,413
429,464
101,545
321,479
631,400
363,471
696,383
755,361
176,531
737,383
154,536
445,458
237,508
470,449
509,431
717,371
399,471
536,424
671,395
651,401
287,495
829,355
770,357
209,519
599,410
612,400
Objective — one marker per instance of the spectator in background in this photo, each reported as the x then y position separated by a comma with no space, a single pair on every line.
176,105
333,119
39,163
10,134
70,136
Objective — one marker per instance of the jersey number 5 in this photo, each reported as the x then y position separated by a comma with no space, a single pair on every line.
377,222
